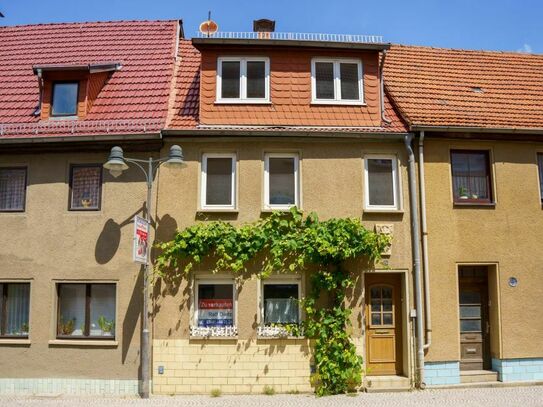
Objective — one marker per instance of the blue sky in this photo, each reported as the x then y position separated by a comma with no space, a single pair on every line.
509,25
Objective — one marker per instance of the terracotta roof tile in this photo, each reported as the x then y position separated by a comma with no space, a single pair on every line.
138,92
448,87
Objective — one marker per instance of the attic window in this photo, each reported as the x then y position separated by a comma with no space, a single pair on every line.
64,99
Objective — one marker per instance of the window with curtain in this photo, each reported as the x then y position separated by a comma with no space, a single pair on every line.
12,189
281,303
86,310
85,187
382,187
243,79
215,304
337,81
218,181
14,309
281,183
471,176
540,167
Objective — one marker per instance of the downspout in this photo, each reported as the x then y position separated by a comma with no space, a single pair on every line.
415,239
382,88
424,230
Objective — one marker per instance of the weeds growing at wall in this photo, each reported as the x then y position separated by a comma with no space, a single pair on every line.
290,242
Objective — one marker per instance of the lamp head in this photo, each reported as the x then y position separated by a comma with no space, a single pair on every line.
115,162
175,158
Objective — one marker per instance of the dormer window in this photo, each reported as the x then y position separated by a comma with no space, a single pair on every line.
243,80
337,81
64,99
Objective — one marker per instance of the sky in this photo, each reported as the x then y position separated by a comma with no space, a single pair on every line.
507,25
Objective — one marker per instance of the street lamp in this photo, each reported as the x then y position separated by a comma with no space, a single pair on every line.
116,164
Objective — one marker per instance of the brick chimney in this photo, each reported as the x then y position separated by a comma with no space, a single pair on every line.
264,27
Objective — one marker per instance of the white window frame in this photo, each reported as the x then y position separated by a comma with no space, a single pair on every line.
396,184
337,82
280,279
210,281
203,181
297,188
243,80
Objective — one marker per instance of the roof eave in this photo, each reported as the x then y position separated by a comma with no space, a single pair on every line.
284,133
200,42
475,129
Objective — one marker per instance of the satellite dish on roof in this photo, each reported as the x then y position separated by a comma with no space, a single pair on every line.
209,27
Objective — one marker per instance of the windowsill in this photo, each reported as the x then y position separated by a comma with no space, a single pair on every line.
391,211
10,341
218,210
242,102
17,212
213,338
55,118
338,103
83,342
482,204
282,209
279,338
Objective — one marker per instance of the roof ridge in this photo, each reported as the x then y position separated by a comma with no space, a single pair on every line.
485,51
171,20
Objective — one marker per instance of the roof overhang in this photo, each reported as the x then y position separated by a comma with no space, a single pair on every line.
262,42
91,68
474,129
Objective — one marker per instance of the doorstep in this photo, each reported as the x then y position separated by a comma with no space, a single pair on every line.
478,376
385,384
486,385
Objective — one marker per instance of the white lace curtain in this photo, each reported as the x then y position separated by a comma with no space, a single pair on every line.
281,311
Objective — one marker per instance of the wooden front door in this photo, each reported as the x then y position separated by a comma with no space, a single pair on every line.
383,324
474,324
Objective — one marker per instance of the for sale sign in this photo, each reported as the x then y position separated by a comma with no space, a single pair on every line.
216,312
141,240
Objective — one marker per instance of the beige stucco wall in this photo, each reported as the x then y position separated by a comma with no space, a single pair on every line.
508,235
48,243
332,186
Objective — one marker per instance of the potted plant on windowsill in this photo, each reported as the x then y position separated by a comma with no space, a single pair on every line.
463,193
68,327
106,326
24,329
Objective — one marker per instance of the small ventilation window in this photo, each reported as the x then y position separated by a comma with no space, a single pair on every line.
477,89
64,99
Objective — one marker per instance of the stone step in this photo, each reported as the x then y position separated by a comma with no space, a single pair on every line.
386,384
478,376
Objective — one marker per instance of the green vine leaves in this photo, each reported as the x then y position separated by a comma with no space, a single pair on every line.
289,242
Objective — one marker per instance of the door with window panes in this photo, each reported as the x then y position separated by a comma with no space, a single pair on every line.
383,324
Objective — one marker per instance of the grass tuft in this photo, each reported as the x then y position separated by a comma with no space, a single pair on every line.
269,391
216,393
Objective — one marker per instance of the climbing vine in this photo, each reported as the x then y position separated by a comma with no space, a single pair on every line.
290,242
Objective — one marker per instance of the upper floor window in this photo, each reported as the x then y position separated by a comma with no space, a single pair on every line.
382,183
337,81
12,189
540,168
218,181
14,309
471,176
243,80
85,187
64,99
281,180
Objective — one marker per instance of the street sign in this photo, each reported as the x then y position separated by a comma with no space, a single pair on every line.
141,240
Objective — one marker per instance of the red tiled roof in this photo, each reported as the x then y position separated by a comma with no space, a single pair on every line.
184,112
134,99
447,87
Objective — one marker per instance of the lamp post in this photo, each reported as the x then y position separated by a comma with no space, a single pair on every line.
116,164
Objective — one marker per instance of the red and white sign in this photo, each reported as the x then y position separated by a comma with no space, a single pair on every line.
141,240
219,312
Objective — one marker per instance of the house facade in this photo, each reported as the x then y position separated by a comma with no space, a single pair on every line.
331,125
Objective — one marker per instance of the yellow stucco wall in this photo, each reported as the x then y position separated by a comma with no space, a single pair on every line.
508,235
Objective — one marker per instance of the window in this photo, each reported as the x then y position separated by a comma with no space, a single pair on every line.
382,185
337,81
245,80
214,304
14,309
471,176
218,181
64,100
540,168
12,189
85,187
86,310
381,307
281,181
280,302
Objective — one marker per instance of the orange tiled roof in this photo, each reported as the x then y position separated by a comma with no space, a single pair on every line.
134,99
447,87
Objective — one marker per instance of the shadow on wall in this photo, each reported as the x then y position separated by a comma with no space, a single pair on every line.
132,315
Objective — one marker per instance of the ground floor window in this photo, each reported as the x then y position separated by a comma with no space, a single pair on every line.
14,309
280,303
214,304
86,310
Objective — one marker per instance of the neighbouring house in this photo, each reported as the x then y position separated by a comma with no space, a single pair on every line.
70,293
331,124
